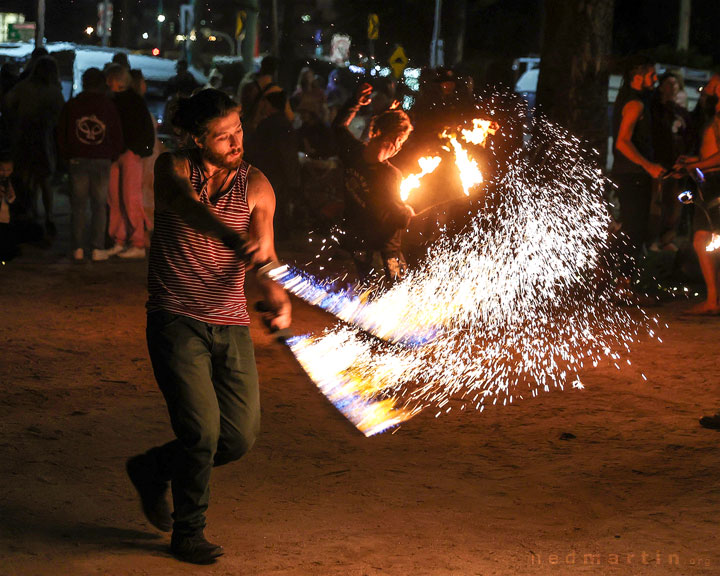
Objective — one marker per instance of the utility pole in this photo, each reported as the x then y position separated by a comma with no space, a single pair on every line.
275,30
160,20
40,24
105,23
436,45
252,9
683,41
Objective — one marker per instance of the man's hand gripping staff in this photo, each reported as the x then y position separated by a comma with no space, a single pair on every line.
275,306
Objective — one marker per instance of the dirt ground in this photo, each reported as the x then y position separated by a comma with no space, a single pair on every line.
633,491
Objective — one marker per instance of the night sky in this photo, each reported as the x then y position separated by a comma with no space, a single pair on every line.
503,27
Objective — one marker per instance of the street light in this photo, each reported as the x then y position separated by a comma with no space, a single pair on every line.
89,30
213,35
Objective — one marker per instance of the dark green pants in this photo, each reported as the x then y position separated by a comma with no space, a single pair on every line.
208,377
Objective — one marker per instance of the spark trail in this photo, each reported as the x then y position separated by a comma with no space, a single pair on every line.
517,302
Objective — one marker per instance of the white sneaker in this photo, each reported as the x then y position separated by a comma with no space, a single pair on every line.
133,253
78,255
115,250
99,255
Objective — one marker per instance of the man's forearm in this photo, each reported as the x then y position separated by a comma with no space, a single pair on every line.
628,150
346,114
711,163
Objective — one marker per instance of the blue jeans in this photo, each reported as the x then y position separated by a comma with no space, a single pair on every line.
89,178
208,377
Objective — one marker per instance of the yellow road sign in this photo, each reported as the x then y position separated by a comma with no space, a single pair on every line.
373,26
240,19
398,61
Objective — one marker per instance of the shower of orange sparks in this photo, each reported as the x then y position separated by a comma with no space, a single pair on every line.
411,182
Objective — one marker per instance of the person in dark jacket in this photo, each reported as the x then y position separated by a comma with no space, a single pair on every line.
89,139
375,215
33,108
125,197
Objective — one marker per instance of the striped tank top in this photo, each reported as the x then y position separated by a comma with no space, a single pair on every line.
195,275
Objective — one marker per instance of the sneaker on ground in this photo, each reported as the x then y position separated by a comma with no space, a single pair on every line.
78,255
116,249
712,422
194,549
132,253
99,255
153,493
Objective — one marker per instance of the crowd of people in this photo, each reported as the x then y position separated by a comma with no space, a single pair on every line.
99,138
238,157
105,140
100,146
660,149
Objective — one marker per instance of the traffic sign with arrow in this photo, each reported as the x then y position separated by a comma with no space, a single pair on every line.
398,61
373,26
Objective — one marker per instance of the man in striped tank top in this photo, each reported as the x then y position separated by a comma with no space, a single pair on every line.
213,218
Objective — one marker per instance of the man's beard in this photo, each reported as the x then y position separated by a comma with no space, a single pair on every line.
222,160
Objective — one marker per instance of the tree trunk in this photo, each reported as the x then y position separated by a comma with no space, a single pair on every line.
573,82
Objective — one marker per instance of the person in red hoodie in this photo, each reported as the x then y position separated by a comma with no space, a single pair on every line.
90,138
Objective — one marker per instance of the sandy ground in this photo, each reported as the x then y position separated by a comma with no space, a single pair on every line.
634,492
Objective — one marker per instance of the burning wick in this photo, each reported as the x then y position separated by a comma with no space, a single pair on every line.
480,131
411,182
714,243
470,174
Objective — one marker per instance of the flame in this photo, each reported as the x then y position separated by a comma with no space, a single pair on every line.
470,174
479,133
714,243
411,182
388,318
330,363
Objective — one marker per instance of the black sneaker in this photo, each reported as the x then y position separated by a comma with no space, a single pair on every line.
712,422
153,493
194,549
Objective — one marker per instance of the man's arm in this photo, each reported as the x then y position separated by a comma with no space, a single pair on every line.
345,115
174,191
631,113
710,163
261,247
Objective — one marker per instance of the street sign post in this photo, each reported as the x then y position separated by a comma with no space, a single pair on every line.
373,33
